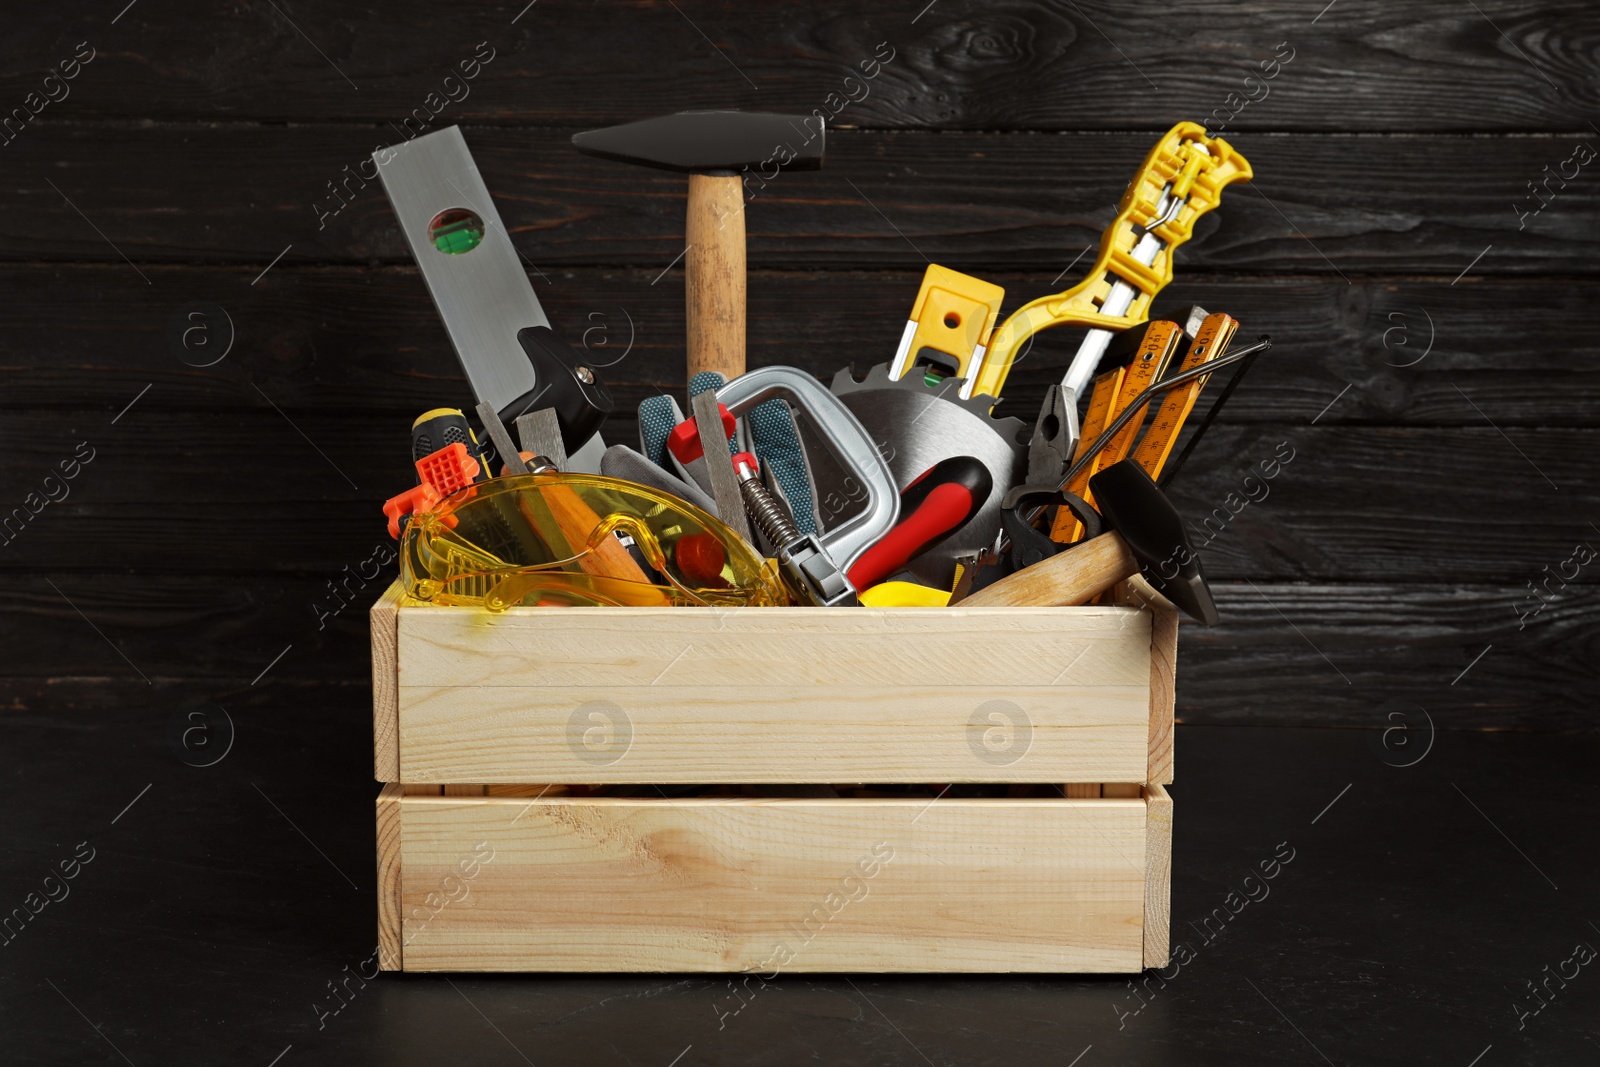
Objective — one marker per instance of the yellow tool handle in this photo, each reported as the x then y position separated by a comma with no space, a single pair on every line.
1197,167
1209,341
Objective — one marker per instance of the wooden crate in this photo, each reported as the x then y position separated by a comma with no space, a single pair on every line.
1071,708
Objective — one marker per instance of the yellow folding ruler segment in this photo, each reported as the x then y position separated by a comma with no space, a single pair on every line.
1210,341
1149,363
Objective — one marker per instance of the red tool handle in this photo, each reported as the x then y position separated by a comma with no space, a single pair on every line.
684,440
937,502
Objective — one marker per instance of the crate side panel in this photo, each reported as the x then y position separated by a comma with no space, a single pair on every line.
848,733
777,647
786,885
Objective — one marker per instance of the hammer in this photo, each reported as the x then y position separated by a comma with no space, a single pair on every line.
1146,533
712,147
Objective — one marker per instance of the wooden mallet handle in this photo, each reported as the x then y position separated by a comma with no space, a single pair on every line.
715,268
1066,579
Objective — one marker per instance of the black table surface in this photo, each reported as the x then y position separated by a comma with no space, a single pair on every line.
220,906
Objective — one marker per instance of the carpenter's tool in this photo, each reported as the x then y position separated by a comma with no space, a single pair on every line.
1146,533
1027,502
684,440
950,324
1172,381
1181,179
1210,340
1049,450
712,147
500,333
934,505
1172,468
539,434
769,432
1120,387
918,425
842,435
439,474
551,538
727,487
510,457
435,429
813,576
685,452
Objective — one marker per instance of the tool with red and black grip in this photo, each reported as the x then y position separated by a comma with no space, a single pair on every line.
938,502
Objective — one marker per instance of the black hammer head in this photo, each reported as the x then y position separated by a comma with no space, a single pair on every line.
1131,504
711,142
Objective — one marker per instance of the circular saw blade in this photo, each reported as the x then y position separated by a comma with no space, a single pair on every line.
916,425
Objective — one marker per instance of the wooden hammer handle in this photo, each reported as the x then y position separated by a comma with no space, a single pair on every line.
1064,580
715,275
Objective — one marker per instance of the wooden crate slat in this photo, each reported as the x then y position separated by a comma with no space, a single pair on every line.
385,685
772,647
1157,877
718,884
794,734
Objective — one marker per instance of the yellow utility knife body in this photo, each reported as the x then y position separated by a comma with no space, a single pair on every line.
1182,178
949,328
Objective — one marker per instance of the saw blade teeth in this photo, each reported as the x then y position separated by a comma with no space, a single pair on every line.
947,389
845,381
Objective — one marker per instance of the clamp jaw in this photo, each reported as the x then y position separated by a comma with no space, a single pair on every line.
844,436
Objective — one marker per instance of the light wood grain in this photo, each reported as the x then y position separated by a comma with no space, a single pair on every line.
717,884
1158,877
391,946
693,648
1082,790
791,734
1136,592
883,695
1067,578
384,619
714,283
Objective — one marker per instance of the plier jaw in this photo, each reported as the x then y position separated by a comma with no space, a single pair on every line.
1055,437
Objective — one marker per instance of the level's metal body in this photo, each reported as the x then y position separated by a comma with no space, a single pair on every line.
483,296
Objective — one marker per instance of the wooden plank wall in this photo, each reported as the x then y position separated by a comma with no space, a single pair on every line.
1435,376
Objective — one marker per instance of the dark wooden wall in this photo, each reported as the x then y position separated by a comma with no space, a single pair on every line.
1434,372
